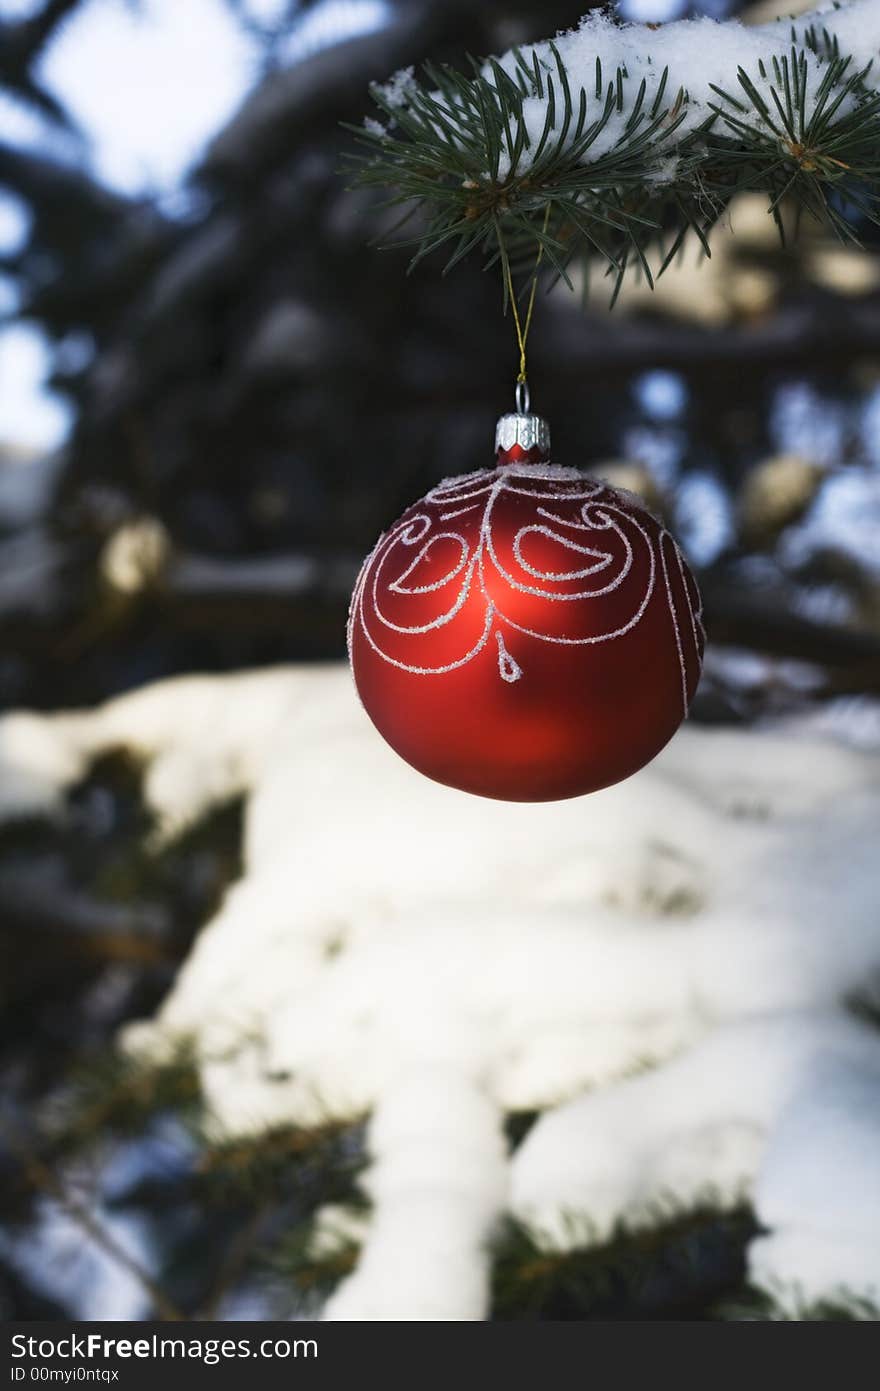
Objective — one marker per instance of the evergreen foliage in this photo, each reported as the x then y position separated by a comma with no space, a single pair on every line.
458,149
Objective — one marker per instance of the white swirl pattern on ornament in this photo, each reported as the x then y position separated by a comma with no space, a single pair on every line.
466,495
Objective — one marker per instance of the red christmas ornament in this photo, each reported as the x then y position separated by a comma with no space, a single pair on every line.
526,632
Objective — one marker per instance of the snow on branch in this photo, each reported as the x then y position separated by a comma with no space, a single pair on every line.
617,141
435,961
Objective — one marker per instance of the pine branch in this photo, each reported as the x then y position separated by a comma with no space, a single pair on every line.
622,158
673,1262
43,1180
314,1273
324,1161
758,1306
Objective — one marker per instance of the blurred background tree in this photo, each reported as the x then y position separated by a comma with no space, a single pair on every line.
245,390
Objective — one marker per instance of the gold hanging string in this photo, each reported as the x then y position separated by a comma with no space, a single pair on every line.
522,330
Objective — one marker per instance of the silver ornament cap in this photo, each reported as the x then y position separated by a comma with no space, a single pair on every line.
520,435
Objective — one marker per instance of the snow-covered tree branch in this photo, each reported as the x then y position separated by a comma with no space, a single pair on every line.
617,142
663,972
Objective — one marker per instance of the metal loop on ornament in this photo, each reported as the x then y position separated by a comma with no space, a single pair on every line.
523,399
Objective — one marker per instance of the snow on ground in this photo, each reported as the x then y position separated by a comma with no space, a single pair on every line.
698,55
660,969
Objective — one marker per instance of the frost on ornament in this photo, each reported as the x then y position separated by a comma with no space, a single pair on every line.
526,633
